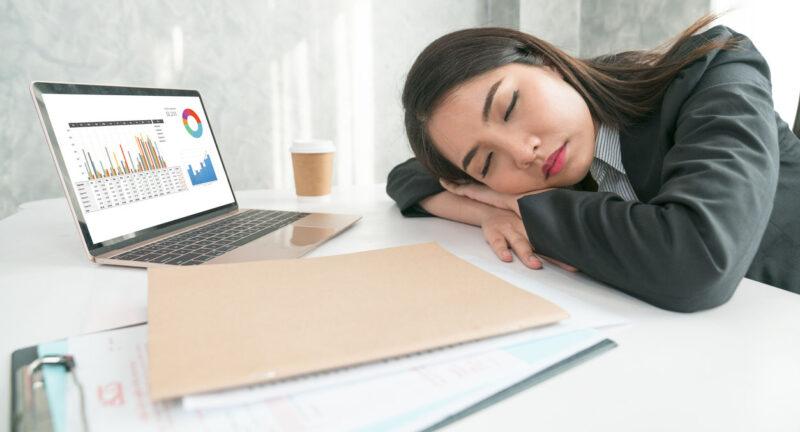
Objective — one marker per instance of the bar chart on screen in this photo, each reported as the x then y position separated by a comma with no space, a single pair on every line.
204,173
121,163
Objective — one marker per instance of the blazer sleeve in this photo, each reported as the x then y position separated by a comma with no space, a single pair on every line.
687,248
408,184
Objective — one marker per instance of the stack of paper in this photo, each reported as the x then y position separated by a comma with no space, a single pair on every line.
400,339
113,369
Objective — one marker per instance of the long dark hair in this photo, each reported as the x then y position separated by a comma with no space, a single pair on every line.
619,89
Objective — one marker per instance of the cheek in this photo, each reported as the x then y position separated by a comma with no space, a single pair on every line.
507,177
583,154
563,105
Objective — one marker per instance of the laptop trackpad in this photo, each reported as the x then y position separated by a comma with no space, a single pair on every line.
325,220
288,242
306,235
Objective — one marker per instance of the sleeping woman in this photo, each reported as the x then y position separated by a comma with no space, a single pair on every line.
666,174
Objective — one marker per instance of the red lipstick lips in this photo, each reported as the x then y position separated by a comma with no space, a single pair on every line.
555,162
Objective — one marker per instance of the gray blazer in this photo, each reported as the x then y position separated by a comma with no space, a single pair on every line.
718,175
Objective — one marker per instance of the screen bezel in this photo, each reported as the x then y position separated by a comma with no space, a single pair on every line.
99,248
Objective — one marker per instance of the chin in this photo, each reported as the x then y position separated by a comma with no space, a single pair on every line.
569,179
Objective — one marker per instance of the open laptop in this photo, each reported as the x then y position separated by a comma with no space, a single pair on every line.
147,186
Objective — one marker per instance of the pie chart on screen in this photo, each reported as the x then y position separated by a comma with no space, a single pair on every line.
197,131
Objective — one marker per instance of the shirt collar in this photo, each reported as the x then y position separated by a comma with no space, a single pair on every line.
607,148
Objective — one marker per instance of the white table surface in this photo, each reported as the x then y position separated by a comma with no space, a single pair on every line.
733,368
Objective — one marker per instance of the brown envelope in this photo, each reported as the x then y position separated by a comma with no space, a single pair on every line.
220,326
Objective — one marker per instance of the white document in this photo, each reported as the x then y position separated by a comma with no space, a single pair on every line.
112,367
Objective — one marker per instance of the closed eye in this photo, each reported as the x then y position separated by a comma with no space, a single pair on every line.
511,105
486,164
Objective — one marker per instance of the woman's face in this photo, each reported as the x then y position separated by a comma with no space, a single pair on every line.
517,128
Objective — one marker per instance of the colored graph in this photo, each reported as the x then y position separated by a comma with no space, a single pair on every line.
122,163
147,158
193,132
204,174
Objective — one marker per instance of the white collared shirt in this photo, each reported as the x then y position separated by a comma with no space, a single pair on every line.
606,169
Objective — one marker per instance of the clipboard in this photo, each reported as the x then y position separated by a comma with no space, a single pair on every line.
30,410
30,407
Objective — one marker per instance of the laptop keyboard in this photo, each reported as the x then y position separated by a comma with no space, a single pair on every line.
210,241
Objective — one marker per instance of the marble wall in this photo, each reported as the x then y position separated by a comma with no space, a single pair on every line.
588,28
557,22
269,71
617,25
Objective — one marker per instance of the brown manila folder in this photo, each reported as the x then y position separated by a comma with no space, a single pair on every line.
221,326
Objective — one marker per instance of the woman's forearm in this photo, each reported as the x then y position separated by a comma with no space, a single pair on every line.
448,205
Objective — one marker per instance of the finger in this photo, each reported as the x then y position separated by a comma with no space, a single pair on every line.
474,192
522,247
564,266
464,190
449,186
500,247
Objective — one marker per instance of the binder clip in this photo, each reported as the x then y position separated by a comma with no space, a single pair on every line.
32,407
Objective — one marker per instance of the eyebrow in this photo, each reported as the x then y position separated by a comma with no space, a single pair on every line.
487,105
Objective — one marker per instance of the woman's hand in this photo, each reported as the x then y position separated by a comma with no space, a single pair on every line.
502,228
504,232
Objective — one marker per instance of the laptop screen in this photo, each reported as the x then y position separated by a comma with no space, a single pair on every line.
136,161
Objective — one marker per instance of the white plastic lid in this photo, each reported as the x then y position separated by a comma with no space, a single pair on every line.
312,146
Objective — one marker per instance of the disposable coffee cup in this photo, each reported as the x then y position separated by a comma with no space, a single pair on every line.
312,161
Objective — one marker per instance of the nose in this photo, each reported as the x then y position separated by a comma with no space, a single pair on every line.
526,151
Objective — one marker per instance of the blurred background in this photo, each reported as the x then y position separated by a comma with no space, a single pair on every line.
275,70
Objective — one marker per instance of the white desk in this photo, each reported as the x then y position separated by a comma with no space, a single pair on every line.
734,368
